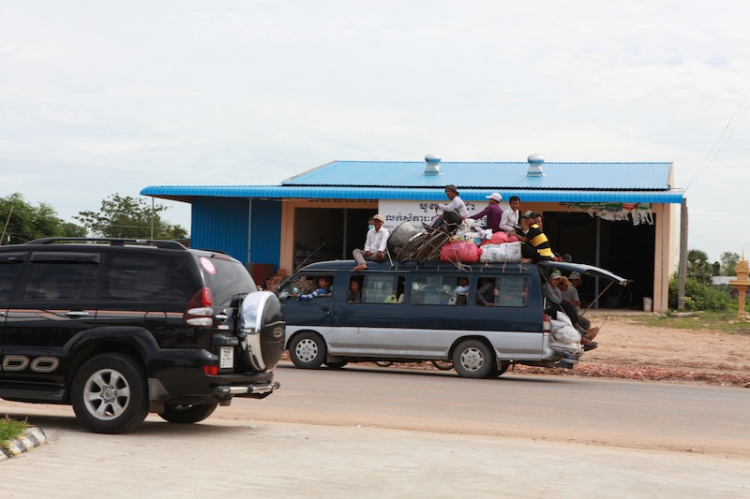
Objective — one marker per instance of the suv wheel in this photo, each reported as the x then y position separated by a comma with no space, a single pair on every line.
186,414
307,351
474,359
109,394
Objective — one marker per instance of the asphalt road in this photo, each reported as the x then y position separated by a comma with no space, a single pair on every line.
390,433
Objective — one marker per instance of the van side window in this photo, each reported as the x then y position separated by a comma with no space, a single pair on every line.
512,292
307,287
383,289
433,290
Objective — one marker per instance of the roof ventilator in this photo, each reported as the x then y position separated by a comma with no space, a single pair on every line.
535,166
432,165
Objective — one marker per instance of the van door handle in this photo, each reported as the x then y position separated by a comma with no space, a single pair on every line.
325,309
77,313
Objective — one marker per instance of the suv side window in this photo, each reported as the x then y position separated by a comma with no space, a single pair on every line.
140,277
383,289
59,276
10,268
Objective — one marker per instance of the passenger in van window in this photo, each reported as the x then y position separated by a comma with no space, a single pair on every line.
486,292
461,293
324,288
377,240
354,295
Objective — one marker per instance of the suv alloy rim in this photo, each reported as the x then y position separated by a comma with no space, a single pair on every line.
107,394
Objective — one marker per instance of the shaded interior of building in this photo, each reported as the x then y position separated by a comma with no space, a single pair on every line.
618,246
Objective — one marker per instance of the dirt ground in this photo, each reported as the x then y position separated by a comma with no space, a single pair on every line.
628,350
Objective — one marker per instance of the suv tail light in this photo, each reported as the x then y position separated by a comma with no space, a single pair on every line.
546,323
199,310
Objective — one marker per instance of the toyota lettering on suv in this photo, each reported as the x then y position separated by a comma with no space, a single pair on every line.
118,328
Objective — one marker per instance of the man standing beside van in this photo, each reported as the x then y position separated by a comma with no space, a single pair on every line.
377,239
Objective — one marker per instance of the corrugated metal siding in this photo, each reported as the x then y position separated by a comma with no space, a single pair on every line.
265,231
221,224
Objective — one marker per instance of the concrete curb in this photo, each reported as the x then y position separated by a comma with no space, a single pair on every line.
32,437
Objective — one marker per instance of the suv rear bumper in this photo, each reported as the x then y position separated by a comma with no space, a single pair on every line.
248,390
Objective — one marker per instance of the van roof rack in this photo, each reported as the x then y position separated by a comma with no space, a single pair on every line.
111,241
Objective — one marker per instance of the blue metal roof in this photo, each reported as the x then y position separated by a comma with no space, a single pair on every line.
186,193
491,175
406,180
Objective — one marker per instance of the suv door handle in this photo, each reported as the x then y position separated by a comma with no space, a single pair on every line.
222,317
77,313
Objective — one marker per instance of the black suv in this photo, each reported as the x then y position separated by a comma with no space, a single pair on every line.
119,328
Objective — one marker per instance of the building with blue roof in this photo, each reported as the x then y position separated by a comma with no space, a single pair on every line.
618,216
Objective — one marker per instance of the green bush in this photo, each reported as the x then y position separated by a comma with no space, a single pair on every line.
700,296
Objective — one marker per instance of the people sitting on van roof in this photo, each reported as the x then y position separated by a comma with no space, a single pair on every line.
453,213
375,244
324,288
509,223
556,304
535,245
493,212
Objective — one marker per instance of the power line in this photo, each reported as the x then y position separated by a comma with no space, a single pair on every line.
711,156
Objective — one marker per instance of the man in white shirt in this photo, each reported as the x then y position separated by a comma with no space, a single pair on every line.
377,239
511,217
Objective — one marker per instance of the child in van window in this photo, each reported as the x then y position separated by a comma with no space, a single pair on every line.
461,293
324,288
354,295
486,292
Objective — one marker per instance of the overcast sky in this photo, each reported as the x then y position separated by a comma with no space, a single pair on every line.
98,98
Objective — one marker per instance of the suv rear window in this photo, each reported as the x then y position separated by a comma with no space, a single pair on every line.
226,278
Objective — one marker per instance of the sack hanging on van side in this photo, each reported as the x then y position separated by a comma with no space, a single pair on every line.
501,253
459,252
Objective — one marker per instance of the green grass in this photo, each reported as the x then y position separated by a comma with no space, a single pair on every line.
720,321
10,429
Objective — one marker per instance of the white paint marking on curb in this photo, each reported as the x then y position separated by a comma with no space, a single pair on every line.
31,437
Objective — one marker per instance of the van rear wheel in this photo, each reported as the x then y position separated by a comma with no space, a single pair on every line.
474,359
307,351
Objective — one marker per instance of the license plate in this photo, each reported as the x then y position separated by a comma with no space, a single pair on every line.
227,357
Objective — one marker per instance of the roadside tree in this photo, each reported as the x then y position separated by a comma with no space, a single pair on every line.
130,218
21,222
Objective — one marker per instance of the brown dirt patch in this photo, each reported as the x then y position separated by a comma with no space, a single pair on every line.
629,350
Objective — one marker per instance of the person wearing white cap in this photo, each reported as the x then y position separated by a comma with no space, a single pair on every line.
493,212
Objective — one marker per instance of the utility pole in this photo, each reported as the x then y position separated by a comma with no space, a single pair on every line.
682,272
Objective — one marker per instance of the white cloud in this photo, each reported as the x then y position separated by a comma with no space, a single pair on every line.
102,97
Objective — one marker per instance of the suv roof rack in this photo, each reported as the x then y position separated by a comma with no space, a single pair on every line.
111,241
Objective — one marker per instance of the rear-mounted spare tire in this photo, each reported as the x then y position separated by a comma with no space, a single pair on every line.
262,331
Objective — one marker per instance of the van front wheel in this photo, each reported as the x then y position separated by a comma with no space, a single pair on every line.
307,351
473,359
